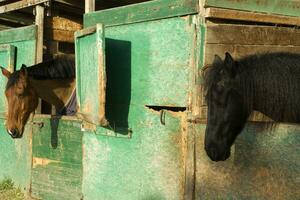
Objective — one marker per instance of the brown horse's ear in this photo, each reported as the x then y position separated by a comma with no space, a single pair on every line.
5,72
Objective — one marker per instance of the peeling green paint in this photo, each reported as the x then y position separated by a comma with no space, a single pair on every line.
57,159
142,12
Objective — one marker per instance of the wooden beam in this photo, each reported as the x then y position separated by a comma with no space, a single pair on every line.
251,16
72,3
17,18
3,27
252,35
20,4
39,21
89,6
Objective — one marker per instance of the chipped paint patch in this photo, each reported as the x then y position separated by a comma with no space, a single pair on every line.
42,161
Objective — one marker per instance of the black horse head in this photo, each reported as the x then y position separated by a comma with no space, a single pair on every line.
268,83
227,112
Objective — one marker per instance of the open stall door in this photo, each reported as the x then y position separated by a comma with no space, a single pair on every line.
91,74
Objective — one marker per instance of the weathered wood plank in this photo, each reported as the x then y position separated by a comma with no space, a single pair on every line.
238,51
252,35
39,21
59,35
188,132
20,4
62,23
251,16
141,12
16,17
281,7
72,3
89,6
85,31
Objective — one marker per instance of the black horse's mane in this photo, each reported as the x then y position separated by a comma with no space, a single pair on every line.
273,77
62,67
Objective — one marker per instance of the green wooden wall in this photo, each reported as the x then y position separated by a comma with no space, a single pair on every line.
15,158
147,63
141,12
146,58
56,159
91,74
148,165
151,51
15,155
24,39
144,63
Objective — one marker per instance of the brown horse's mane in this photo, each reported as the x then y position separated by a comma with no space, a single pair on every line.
58,68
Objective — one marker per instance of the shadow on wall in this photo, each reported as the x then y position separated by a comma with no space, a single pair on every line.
54,122
118,86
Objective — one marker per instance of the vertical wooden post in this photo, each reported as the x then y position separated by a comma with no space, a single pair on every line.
39,21
89,6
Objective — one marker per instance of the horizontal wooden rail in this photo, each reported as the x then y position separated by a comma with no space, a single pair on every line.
251,16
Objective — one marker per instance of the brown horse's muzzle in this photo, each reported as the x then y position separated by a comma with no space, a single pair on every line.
14,133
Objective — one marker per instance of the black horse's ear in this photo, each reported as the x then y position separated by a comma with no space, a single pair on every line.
230,65
23,69
217,60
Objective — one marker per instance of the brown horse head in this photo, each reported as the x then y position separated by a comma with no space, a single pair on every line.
21,100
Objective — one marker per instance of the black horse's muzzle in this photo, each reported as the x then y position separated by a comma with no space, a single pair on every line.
216,153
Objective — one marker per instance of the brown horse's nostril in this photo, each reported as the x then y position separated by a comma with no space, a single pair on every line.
13,133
